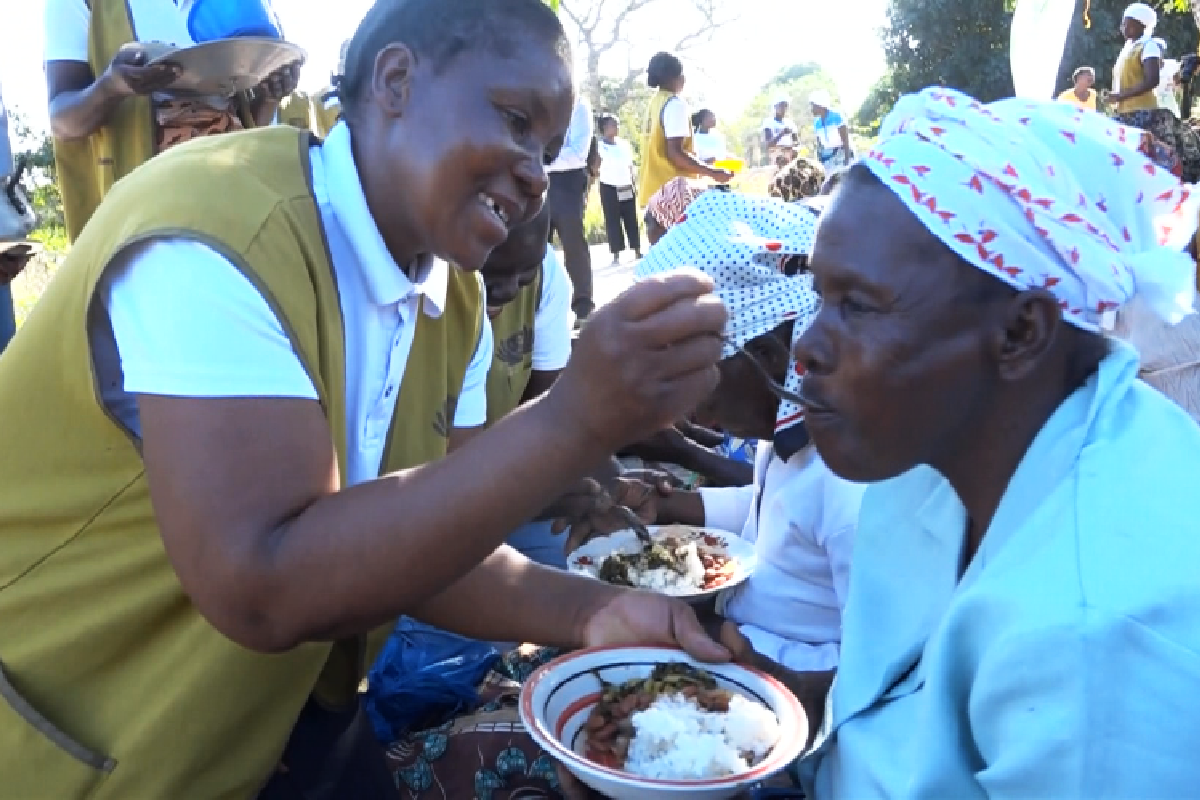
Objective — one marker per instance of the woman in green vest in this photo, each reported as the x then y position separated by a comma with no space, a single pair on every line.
110,111
668,151
1136,73
235,474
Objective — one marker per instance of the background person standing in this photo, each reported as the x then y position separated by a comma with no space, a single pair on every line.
617,196
567,199
779,132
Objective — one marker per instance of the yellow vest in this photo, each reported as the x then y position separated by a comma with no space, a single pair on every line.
113,686
512,354
656,167
325,116
296,110
1132,74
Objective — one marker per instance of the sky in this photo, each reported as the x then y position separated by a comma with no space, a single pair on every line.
768,36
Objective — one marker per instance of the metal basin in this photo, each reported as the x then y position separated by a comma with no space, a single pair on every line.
224,67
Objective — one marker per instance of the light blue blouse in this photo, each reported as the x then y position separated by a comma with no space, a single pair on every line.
1066,663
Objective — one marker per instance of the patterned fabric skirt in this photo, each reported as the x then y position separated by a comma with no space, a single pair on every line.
182,120
482,755
1173,144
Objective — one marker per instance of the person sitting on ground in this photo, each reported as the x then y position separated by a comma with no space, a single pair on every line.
799,515
799,178
1003,581
1081,94
256,438
110,110
709,142
958,362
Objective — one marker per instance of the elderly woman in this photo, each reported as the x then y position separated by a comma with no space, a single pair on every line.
957,363
111,110
669,149
1023,618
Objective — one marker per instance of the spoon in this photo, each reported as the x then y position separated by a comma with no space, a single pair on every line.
772,384
631,519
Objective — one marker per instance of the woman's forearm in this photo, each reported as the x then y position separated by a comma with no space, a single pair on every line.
682,508
684,161
540,605
77,115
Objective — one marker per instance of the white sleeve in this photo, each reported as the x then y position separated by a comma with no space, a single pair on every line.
839,524
677,121
188,323
1151,49
727,508
552,322
471,411
65,25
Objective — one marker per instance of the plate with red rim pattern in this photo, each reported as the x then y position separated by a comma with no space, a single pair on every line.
727,558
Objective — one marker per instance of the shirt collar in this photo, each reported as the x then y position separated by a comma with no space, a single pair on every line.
386,283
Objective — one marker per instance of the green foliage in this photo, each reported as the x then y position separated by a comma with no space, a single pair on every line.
36,149
793,73
962,45
965,46
1098,46
878,103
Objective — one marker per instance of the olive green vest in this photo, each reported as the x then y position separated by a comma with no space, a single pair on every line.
87,168
657,169
114,687
512,353
1132,73
296,110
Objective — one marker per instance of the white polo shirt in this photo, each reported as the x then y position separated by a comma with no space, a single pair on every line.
187,323
66,25
552,321
801,519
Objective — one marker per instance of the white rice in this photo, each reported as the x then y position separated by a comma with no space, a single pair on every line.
662,579
676,740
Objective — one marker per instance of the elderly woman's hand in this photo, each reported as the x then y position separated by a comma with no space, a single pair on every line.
280,83
587,512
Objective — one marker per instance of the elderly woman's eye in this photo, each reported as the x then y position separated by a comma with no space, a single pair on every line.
850,305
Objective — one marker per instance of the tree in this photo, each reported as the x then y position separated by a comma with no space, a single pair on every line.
1099,45
876,105
601,28
35,149
745,135
965,46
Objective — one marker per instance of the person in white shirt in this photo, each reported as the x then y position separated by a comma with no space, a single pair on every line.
265,533
709,142
567,198
799,515
618,197
779,132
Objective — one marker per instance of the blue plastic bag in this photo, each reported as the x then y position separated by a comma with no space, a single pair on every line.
424,676
738,449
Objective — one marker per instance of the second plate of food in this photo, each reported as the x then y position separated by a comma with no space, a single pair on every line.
693,564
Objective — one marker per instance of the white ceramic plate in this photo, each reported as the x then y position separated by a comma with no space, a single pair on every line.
557,699
708,539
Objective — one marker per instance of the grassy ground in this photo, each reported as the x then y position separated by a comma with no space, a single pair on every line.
30,284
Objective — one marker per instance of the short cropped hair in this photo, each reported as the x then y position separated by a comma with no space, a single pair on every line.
440,30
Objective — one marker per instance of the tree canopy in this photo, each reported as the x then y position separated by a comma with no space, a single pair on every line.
964,45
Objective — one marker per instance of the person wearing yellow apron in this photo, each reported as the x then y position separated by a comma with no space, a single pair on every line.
1136,73
668,150
228,420
110,111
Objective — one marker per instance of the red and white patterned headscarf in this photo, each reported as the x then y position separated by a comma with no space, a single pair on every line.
672,199
743,243
1041,194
